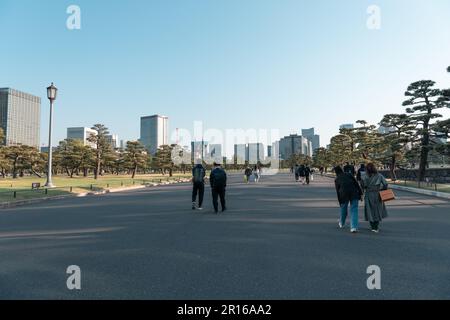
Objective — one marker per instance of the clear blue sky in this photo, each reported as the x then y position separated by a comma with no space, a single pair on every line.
286,64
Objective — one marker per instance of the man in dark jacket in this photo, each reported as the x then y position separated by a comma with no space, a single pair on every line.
302,173
218,181
198,185
248,172
348,191
307,174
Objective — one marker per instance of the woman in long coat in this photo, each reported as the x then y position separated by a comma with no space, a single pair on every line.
374,209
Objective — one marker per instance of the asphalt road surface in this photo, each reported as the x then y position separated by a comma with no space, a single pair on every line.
278,240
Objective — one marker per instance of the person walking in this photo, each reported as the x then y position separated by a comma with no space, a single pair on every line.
302,174
348,192
321,170
257,173
198,184
307,174
374,208
218,181
247,173
296,173
349,168
361,173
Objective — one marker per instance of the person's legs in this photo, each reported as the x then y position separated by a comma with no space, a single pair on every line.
222,199
354,214
307,179
344,210
215,195
194,194
201,193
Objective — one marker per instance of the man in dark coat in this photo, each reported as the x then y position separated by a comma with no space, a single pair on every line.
198,185
348,191
218,181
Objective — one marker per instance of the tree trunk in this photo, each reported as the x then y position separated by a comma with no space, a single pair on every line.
134,172
424,152
392,168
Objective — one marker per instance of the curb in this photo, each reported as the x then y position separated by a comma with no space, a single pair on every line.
12,204
432,193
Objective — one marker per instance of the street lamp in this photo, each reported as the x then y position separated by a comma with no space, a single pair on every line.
51,95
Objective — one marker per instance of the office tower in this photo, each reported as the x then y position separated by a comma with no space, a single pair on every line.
294,144
255,152
269,151
113,140
215,152
82,134
240,153
154,132
347,126
276,150
311,136
20,117
199,150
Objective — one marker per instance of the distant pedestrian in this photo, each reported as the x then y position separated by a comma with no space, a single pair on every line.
349,168
257,174
321,170
374,208
296,173
198,184
307,174
302,174
311,176
247,173
218,181
348,191
361,173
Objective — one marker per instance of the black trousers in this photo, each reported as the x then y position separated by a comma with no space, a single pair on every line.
198,187
216,193
307,179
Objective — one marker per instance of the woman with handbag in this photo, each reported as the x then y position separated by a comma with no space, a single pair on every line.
374,208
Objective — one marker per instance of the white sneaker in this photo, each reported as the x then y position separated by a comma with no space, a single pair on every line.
375,231
341,226
353,230
199,208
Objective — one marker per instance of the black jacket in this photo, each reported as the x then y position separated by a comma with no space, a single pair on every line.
349,169
198,173
218,178
347,188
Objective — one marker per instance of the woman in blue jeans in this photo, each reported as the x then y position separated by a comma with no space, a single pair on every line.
348,192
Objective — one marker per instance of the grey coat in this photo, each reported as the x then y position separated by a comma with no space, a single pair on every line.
374,208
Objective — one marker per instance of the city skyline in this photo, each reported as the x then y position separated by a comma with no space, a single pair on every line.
187,69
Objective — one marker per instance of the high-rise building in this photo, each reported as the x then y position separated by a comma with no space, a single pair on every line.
347,126
255,152
199,150
113,140
154,132
82,134
20,117
240,153
294,144
311,136
215,152
269,151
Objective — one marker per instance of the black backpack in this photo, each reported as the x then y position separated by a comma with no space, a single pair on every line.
198,174
220,178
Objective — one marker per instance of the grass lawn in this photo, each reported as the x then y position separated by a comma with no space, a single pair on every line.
67,185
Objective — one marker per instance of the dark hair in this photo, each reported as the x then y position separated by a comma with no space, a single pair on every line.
338,170
371,169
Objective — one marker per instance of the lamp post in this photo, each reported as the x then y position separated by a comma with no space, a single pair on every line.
51,95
